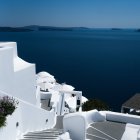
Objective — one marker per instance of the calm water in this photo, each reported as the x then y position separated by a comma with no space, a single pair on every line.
103,64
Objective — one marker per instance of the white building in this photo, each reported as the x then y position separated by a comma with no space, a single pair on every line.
40,98
17,76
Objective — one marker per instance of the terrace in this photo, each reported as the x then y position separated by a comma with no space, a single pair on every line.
132,106
103,125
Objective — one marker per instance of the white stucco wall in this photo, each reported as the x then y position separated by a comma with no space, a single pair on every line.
10,132
120,117
29,117
12,45
75,125
34,118
6,69
25,84
17,77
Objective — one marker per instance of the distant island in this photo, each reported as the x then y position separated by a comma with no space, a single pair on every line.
39,28
31,28
116,29
11,29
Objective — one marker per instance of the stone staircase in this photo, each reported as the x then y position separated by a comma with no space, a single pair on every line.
49,134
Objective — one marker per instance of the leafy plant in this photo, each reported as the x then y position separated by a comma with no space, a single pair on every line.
94,104
7,107
2,121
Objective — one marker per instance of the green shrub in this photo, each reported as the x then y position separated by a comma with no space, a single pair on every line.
95,104
7,107
2,121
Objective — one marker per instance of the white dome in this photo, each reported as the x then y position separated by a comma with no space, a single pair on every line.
45,77
63,87
44,74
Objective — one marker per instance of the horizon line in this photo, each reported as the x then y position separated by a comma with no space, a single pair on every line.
74,27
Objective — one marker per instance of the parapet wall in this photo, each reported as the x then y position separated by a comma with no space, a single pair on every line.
17,77
28,117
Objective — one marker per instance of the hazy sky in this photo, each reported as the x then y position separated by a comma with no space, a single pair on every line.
87,13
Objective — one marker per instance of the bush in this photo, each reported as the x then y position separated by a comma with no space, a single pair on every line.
95,104
7,107
2,121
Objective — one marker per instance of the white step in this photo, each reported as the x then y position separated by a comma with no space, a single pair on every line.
50,134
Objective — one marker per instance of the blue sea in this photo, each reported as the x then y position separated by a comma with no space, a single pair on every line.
104,64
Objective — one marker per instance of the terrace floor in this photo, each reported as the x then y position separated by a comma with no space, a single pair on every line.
105,131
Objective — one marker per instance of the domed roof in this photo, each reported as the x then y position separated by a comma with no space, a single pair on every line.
63,87
44,74
45,77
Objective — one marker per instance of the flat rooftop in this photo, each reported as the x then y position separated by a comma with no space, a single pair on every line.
133,102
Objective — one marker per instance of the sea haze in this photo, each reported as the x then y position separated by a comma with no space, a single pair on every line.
104,64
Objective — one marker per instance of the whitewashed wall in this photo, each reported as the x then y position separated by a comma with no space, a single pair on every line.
120,117
34,118
6,69
29,117
17,77
11,132
75,124
25,84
